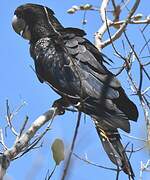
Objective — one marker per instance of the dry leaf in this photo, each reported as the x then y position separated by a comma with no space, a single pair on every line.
58,151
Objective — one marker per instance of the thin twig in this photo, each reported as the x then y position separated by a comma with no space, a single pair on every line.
2,139
94,164
48,177
72,147
9,118
133,137
23,126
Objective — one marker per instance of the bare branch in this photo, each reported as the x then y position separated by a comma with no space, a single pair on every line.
108,23
144,167
48,176
122,27
131,21
9,118
2,140
22,142
72,147
23,126
93,164
99,34
133,137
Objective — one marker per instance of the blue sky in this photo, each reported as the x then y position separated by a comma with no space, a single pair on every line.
19,83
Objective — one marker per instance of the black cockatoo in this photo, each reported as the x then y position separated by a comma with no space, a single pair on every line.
74,68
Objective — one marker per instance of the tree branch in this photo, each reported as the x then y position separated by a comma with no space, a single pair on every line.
72,147
107,23
23,141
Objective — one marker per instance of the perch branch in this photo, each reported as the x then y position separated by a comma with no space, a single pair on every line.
22,142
